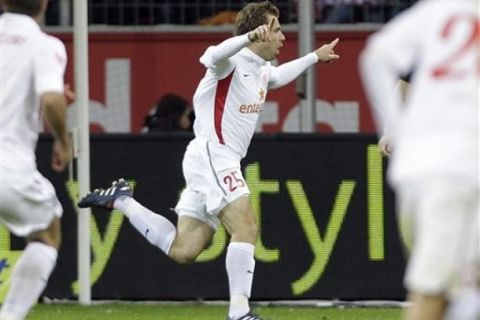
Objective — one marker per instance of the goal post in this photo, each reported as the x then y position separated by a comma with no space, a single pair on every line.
80,35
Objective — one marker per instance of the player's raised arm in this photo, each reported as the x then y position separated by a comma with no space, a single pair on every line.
231,46
289,71
224,50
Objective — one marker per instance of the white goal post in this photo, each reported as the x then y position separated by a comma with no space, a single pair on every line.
80,35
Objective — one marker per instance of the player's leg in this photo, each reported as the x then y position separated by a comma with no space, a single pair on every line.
158,230
465,303
195,227
240,222
182,243
425,307
23,212
439,223
193,236
31,273
464,300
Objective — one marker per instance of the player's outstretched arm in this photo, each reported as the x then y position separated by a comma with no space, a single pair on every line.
326,53
287,72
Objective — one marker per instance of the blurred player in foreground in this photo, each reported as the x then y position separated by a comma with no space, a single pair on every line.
435,159
32,67
227,104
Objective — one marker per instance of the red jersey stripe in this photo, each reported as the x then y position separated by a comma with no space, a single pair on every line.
220,98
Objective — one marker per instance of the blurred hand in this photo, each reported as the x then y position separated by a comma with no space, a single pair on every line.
61,155
261,33
326,53
384,145
68,93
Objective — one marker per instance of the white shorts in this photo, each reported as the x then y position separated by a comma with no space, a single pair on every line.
214,179
28,202
439,221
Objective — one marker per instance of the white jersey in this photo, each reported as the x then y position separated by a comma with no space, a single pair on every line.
436,132
227,109
230,97
31,63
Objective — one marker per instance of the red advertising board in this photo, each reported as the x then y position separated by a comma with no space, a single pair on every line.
128,72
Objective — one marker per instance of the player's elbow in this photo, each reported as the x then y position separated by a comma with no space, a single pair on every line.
52,102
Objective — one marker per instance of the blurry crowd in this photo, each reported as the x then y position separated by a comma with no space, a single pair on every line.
192,12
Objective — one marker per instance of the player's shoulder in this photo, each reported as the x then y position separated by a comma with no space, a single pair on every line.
449,6
51,41
51,46
411,20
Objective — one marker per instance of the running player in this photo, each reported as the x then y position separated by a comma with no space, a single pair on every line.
32,67
227,104
434,165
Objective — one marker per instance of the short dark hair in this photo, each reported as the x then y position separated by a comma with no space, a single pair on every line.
254,15
28,7
166,116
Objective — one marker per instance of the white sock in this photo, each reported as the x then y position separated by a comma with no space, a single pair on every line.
465,305
158,230
29,279
240,267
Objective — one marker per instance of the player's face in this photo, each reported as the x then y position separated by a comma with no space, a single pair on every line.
272,48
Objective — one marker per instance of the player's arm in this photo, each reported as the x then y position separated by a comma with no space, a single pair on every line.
389,54
54,107
377,63
50,66
221,52
217,57
289,71
385,144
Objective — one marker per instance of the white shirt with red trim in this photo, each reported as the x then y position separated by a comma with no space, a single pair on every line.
436,132
31,63
231,95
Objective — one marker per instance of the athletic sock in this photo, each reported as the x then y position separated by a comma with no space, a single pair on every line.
465,305
29,279
240,267
158,230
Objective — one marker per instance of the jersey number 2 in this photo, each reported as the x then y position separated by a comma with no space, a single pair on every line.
448,67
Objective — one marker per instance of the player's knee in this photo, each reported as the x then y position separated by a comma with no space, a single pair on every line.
184,256
247,233
53,239
184,259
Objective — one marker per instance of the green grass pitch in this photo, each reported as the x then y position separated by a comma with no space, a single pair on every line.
138,311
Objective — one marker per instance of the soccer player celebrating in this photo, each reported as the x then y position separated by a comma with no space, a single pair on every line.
32,67
435,159
227,104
